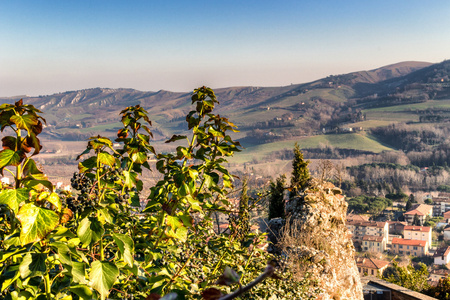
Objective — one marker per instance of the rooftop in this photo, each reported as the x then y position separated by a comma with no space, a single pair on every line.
372,238
420,210
418,228
400,241
367,262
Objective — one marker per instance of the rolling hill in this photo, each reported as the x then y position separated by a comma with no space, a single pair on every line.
270,118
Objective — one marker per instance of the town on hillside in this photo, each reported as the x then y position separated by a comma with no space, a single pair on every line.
420,234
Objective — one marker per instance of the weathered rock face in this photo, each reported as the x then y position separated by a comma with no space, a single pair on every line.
316,241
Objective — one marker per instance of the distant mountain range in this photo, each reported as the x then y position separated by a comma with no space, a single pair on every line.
277,113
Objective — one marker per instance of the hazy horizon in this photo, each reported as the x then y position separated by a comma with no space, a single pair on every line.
56,46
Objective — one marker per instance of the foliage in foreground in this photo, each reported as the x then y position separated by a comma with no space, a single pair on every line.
95,244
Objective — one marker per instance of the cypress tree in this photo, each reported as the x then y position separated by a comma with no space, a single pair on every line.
300,172
276,200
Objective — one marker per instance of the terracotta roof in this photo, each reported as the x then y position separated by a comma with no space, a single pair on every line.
366,262
420,210
366,223
372,238
355,217
444,251
418,228
447,214
400,241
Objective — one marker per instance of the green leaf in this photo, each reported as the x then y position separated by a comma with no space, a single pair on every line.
105,216
103,276
13,197
10,280
78,272
106,158
82,291
54,199
30,169
36,222
130,179
90,231
139,157
180,234
87,164
29,183
9,157
33,264
173,222
126,247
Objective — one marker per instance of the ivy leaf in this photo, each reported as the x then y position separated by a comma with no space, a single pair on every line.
106,158
33,264
54,199
36,222
30,169
13,197
90,231
126,247
139,157
179,234
9,157
78,272
25,122
87,164
103,276
29,183
82,291
130,179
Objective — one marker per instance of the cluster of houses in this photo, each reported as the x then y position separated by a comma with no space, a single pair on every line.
399,238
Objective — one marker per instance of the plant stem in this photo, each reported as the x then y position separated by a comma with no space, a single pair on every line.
48,286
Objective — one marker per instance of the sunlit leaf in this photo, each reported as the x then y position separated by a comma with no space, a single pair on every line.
13,197
126,247
90,231
36,222
33,264
103,275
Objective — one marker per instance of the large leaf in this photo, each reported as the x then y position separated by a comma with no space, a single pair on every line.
130,179
33,264
36,222
9,157
90,231
126,247
103,275
25,121
30,169
13,197
106,158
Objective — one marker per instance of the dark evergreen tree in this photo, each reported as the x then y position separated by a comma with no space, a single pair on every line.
416,221
300,172
240,223
276,201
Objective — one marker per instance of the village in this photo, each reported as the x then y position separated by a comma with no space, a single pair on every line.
403,237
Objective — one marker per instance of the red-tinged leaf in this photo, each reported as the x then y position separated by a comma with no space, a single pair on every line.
9,142
66,216
211,294
153,296
122,133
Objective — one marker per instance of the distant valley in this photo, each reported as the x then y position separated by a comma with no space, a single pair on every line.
339,111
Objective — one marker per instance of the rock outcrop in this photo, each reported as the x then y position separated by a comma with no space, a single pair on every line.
316,242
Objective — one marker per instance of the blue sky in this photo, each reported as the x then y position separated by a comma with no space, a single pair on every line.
55,46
